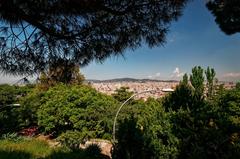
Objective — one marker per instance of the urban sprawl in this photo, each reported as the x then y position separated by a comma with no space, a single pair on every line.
137,87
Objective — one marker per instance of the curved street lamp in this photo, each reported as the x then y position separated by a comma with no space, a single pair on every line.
119,109
10,105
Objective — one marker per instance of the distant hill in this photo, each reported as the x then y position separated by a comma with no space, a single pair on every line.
128,80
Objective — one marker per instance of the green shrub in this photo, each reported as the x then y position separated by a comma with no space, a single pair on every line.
72,139
9,120
8,94
29,107
159,139
147,134
130,141
12,137
77,108
9,115
209,129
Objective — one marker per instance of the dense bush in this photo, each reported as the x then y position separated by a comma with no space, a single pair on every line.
206,127
72,139
212,132
29,107
9,114
130,141
159,139
226,116
147,134
206,122
182,97
77,108
9,94
12,137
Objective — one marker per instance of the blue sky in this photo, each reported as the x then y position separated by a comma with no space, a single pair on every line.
195,39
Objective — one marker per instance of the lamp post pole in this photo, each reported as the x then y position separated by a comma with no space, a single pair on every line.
10,105
119,109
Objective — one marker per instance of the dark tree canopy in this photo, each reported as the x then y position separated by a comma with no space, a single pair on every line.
36,34
227,14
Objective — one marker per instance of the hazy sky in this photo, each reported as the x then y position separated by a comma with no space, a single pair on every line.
195,39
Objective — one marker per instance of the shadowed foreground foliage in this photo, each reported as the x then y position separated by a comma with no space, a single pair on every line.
35,35
227,14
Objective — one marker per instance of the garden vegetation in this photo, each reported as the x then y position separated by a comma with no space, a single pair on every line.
200,119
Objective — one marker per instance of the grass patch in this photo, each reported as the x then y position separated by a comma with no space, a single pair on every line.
36,149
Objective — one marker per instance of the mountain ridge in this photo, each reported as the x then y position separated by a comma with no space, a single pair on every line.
129,80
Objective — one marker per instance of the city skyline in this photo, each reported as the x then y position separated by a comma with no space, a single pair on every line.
195,39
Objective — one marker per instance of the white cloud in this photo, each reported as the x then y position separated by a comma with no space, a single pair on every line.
155,76
177,73
150,76
158,74
232,74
